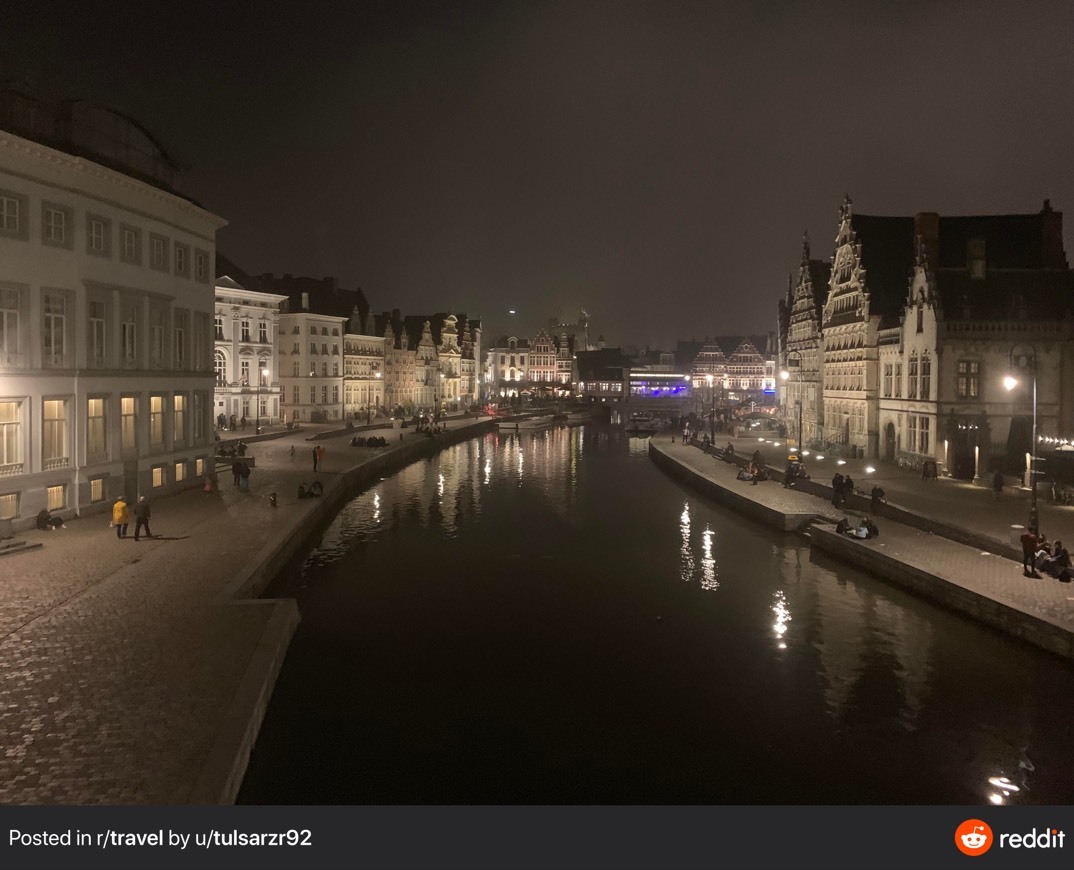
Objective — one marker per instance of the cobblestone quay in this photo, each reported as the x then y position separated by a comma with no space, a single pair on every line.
138,673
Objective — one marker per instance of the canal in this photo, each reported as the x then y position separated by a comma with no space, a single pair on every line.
551,619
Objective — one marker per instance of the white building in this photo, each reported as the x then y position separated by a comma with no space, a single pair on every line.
245,355
311,367
363,373
106,306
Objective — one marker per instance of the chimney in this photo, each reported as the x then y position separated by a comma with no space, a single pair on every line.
305,301
927,226
1052,238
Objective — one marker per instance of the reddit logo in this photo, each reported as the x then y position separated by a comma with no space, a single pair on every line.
973,837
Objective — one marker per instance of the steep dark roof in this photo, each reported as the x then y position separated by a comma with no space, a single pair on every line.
820,274
225,266
1006,294
325,295
887,252
607,362
1012,241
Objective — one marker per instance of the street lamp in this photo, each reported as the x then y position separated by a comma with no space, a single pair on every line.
712,410
784,375
262,373
1026,360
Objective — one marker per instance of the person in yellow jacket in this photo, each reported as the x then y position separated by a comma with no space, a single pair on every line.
120,517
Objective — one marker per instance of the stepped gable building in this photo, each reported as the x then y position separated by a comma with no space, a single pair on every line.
742,369
106,308
985,292
801,349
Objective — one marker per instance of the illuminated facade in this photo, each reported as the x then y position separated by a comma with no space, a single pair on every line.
106,311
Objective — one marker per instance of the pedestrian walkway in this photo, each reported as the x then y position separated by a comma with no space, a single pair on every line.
978,583
119,671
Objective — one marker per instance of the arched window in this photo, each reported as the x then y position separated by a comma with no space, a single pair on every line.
220,367
262,367
911,386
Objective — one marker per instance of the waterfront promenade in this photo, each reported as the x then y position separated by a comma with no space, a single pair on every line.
982,584
129,673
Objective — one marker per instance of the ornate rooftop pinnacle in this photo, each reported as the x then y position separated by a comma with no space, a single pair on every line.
805,247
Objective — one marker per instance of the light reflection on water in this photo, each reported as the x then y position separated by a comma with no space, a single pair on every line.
581,516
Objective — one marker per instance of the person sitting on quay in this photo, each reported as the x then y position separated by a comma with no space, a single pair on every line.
1057,561
1028,540
47,523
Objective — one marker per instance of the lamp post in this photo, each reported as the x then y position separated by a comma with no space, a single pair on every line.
796,362
1023,361
262,373
712,410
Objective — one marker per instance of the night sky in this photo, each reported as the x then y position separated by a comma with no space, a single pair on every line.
654,162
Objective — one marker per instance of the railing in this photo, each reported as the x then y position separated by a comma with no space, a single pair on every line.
53,464
11,469
97,456
12,360
55,361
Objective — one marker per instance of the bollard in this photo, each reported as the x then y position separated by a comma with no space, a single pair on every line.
272,499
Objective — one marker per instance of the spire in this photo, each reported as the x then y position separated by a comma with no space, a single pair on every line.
805,247
846,210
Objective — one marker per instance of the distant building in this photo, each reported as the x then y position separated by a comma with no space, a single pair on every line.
729,371
106,307
246,361
508,367
603,376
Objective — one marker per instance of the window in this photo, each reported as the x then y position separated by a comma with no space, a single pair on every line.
219,328
324,370
199,417
131,250
54,433
56,497
335,350
924,435
13,210
263,406
10,442
199,466
98,235
968,379
244,367
926,377
129,338
9,326
159,478
180,471
313,349
262,332
912,442
295,370
158,252
156,343
56,225
180,339
156,422
9,506
898,380
128,431
182,260
201,265
96,431
53,337
220,367
335,370
296,400
313,395
324,395
96,489
911,387
295,349
95,340
887,379
244,334
179,417
335,394
324,350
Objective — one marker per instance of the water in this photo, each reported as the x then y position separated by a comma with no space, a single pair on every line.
551,619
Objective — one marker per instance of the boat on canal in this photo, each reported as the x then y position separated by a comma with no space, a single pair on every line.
530,424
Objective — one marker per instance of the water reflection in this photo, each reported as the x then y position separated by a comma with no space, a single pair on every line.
686,569
783,616
708,563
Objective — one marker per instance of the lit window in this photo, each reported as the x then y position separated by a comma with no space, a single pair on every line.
56,497
96,489
96,432
9,506
10,441
180,471
158,476
54,433
128,428
156,421
199,466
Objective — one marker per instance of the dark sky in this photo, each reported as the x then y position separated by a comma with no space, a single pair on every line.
654,162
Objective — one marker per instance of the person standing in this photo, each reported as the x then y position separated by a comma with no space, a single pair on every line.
244,477
316,457
320,456
120,517
1029,551
837,490
848,488
878,499
141,517
236,475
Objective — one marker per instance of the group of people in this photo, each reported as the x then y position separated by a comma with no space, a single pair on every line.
1039,554
371,441
46,522
314,490
795,471
240,472
121,517
865,529
237,450
841,488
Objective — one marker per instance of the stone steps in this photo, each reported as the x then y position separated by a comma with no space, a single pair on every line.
8,548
